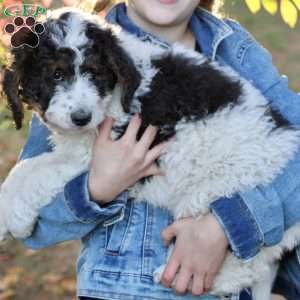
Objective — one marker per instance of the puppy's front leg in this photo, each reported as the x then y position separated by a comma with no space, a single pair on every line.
30,185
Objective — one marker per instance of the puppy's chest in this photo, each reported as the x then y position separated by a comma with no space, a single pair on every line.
76,150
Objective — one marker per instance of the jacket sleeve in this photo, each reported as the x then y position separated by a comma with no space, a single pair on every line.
72,214
259,217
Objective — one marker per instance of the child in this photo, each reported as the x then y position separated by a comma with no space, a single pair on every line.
122,239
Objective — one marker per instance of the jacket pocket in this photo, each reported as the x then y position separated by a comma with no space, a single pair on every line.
133,246
154,253
116,233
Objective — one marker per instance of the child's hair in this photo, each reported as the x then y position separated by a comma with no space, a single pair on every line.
211,5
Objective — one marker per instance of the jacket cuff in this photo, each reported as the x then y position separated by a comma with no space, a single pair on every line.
241,229
86,210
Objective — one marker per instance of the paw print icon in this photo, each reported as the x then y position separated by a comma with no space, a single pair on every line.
24,32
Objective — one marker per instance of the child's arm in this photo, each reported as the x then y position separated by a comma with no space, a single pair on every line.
260,216
72,214
58,222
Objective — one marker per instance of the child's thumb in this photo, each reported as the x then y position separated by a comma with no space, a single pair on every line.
168,234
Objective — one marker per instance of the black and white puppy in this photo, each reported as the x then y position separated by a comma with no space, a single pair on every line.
228,139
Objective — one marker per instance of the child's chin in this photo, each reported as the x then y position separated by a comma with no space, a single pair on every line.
162,18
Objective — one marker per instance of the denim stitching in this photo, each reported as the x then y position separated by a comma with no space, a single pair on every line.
146,258
242,50
126,219
127,225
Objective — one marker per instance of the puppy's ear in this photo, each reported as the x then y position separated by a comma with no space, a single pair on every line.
128,75
12,82
106,43
11,88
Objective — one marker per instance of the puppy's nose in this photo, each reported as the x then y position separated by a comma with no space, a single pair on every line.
81,117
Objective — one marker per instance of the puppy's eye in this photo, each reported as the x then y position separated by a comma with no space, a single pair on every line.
58,75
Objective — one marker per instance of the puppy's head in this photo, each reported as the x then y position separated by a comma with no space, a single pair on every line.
69,78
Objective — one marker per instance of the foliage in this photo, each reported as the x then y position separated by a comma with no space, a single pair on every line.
37,275
288,9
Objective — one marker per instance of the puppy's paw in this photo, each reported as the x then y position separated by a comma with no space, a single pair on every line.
21,228
20,221
157,274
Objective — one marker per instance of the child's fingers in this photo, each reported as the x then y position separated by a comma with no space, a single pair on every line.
168,234
182,281
147,138
197,285
105,128
156,152
132,129
153,170
208,282
170,271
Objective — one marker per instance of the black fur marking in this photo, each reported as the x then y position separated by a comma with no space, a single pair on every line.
40,68
97,65
61,22
10,85
278,119
65,16
183,90
115,57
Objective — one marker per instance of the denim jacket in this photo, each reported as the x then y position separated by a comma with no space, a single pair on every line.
121,243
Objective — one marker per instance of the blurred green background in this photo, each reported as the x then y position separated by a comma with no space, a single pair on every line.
50,274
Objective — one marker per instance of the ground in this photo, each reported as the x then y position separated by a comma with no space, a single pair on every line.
50,274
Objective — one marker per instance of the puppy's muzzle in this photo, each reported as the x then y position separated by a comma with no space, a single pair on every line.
81,117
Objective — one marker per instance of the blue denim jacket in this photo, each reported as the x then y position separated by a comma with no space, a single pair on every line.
121,241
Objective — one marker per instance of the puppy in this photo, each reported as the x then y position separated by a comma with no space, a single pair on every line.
228,139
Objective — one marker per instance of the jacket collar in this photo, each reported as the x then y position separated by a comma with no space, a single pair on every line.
208,29
118,15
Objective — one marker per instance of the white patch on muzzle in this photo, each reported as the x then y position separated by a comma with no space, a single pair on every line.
80,96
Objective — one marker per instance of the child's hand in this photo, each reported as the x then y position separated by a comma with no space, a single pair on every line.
198,255
117,165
